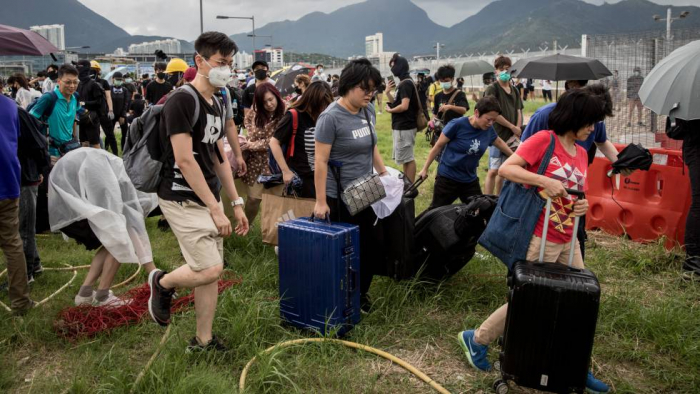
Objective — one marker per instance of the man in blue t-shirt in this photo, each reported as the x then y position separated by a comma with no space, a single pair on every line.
465,140
540,121
9,208
60,114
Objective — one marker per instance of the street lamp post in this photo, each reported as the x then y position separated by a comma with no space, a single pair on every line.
258,35
251,18
670,19
438,46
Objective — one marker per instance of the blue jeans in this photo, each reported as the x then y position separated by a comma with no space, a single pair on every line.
27,226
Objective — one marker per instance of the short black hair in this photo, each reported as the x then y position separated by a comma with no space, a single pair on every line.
319,65
260,63
138,96
336,76
603,93
447,71
67,69
211,42
159,66
52,66
145,76
487,104
41,73
575,110
359,72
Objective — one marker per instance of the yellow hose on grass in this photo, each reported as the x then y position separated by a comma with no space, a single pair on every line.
403,364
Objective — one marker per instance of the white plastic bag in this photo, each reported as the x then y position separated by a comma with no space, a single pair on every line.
394,192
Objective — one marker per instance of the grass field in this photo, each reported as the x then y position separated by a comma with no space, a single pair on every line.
648,338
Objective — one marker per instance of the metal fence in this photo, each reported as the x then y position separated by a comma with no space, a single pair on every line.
623,54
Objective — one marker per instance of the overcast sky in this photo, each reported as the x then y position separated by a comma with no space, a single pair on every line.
180,18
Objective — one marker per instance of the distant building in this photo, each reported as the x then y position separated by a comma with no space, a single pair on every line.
55,34
119,52
243,60
374,45
273,56
167,46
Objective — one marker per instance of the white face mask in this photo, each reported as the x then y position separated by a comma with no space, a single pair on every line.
218,76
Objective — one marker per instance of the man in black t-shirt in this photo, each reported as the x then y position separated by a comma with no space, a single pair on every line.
159,87
193,173
261,71
403,107
107,110
121,99
450,103
92,98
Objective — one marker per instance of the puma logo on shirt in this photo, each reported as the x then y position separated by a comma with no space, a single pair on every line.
362,132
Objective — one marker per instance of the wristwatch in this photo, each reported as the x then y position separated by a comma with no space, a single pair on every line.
238,201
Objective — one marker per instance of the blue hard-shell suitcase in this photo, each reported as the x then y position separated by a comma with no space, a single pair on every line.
319,265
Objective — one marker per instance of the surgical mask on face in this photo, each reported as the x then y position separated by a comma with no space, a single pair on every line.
118,82
320,71
260,74
504,76
129,80
53,75
218,76
297,90
446,85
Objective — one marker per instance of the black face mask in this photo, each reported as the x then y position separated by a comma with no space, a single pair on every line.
53,75
161,75
297,90
261,75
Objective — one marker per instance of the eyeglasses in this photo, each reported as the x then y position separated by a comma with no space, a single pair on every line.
70,83
367,92
222,63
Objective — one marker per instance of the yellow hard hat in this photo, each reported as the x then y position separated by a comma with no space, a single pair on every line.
176,65
94,64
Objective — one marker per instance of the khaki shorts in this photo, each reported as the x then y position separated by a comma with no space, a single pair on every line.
554,253
255,191
199,239
404,142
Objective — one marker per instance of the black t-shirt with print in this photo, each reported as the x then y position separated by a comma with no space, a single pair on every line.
304,143
248,96
155,91
405,120
442,99
177,117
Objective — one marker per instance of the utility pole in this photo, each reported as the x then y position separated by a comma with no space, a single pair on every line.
669,21
437,46
201,17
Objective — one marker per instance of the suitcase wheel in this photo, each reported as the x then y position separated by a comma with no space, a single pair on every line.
500,386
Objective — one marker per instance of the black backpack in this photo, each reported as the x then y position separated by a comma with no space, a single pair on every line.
33,148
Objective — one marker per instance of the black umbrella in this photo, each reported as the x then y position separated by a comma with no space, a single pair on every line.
633,157
560,68
285,79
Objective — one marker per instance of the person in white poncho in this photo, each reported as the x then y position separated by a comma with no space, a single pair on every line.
92,200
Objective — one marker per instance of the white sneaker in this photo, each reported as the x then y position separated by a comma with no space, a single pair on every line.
111,301
80,300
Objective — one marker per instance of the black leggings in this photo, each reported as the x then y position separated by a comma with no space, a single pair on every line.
547,95
108,128
691,157
369,247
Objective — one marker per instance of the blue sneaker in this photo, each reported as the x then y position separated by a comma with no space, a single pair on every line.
595,386
476,353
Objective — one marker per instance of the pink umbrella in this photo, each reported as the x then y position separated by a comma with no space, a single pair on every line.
15,41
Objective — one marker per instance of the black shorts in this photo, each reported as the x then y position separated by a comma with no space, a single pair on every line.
81,232
90,131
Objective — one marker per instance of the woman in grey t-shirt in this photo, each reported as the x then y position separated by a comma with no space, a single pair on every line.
345,133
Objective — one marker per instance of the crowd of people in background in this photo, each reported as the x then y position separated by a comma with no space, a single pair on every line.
330,119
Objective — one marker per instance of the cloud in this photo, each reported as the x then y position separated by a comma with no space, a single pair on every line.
180,18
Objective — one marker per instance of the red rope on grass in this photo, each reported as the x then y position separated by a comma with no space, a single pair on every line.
87,321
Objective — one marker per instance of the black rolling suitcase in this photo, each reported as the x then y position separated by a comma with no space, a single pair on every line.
396,233
550,325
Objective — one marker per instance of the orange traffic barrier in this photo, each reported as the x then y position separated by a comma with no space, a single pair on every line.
645,205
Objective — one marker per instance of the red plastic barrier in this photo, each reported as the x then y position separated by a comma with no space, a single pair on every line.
668,143
645,205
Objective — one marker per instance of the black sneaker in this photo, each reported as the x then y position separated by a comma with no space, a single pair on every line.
163,224
38,270
159,300
214,344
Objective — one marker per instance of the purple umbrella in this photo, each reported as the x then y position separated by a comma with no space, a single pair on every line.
15,41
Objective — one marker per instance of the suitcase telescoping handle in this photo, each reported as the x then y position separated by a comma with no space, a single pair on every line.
414,186
548,212
327,219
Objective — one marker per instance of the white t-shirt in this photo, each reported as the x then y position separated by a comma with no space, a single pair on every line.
546,85
48,85
25,97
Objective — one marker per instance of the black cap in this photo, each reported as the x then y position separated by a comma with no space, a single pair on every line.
117,75
260,63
